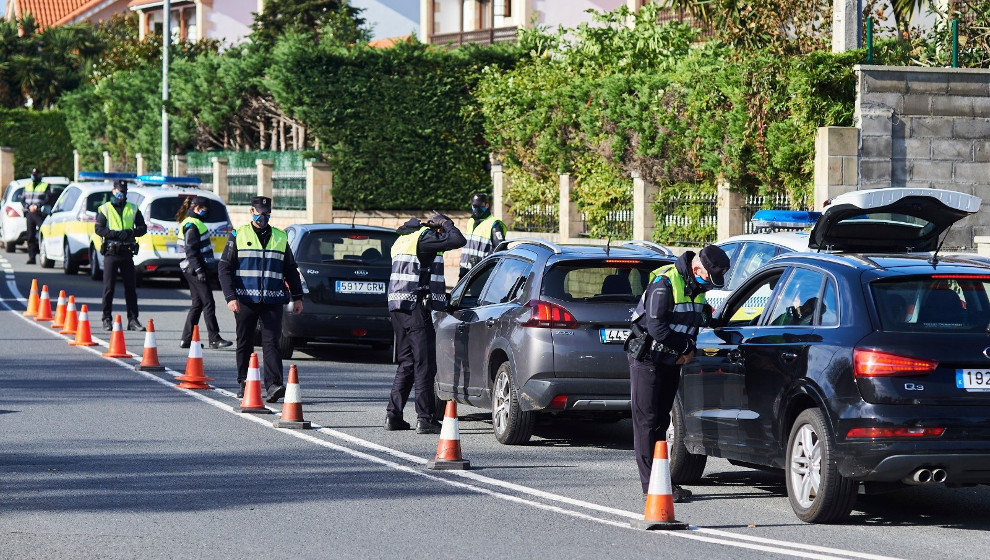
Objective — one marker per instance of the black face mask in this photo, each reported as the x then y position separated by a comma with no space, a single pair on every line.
36,179
119,198
479,212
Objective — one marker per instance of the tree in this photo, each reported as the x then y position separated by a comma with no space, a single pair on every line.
320,17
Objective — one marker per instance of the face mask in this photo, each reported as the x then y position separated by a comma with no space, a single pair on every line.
119,198
701,281
478,211
261,220
202,215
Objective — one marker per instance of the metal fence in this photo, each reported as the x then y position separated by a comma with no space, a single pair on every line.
243,184
205,174
778,201
699,210
289,190
543,219
618,224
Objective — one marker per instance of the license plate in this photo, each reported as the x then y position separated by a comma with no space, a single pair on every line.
973,379
357,287
614,336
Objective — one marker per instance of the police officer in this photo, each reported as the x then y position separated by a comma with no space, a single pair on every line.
415,288
254,269
35,197
198,267
120,223
484,233
665,325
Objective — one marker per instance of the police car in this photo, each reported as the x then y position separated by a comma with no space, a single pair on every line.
159,199
13,226
64,235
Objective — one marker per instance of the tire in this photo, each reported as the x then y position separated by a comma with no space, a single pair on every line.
94,265
513,426
9,246
685,467
835,495
69,265
286,346
43,259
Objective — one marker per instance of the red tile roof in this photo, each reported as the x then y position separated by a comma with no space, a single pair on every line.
81,9
46,12
388,42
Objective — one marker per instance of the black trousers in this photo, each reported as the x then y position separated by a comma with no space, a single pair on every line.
416,349
33,220
124,264
652,391
203,304
270,316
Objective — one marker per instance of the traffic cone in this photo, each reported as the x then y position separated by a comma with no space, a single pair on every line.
32,309
449,448
59,321
252,401
118,346
292,414
44,306
83,335
149,361
194,377
71,318
659,513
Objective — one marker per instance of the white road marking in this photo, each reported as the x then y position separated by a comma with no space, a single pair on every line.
786,548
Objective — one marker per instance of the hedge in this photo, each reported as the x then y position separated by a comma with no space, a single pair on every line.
39,138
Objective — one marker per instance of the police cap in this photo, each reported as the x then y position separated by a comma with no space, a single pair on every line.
262,204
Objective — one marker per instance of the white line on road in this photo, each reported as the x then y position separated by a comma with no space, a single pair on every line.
787,548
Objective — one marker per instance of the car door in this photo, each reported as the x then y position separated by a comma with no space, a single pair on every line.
53,230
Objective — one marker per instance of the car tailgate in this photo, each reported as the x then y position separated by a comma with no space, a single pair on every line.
587,351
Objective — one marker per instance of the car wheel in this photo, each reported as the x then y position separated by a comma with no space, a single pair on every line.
816,490
43,259
512,425
285,346
9,246
94,265
69,265
685,467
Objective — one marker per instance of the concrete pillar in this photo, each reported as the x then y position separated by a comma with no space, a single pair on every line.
846,24
499,182
836,162
319,192
569,215
221,187
139,160
730,210
6,167
179,166
266,168
644,218
107,164
75,165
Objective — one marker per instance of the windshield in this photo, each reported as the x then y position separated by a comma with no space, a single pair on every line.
95,200
939,303
368,248
165,209
605,279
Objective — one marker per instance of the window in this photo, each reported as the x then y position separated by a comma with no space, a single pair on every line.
165,208
830,306
361,247
467,293
751,257
67,201
932,304
800,300
747,307
95,200
507,281
599,280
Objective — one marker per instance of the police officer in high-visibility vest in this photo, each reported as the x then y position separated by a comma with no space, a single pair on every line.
258,276
198,266
415,288
664,329
120,223
484,233
35,198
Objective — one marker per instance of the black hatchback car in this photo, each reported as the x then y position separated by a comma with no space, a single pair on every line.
345,271
867,367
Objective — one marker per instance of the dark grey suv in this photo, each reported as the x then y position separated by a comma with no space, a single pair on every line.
539,328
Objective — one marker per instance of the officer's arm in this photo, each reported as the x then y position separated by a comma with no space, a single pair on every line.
450,238
103,231
226,268
191,235
498,234
140,228
291,273
659,307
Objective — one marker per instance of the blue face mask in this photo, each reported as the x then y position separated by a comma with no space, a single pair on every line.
201,215
701,281
119,197
261,220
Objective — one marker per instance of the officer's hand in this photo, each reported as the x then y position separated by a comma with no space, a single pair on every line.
234,306
201,276
297,307
681,360
33,208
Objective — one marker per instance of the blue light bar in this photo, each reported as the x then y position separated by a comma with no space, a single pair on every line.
168,180
784,219
101,176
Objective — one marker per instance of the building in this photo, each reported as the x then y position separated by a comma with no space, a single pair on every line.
48,13
390,19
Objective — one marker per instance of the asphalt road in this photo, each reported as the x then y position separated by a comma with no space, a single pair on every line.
98,460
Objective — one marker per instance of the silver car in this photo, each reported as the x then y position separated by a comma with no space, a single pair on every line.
13,226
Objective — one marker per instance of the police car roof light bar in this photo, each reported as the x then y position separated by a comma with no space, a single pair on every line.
168,180
784,219
101,176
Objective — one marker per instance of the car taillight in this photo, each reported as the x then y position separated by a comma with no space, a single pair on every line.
559,402
85,217
150,267
548,315
12,212
873,363
895,433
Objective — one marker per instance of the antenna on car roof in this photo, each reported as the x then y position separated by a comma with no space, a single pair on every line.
353,219
608,244
933,260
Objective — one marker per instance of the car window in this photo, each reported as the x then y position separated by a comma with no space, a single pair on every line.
799,300
751,257
599,279
467,294
506,281
934,304
16,195
361,247
67,201
747,306
95,200
830,306
165,209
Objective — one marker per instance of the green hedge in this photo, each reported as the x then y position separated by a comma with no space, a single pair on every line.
284,161
39,138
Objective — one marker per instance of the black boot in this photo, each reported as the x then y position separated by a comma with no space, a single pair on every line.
393,424
135,325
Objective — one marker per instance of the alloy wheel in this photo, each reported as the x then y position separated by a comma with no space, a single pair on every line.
500,412
806,465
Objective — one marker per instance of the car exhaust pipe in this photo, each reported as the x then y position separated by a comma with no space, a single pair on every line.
939,476
920,476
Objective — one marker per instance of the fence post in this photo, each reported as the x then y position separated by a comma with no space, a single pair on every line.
644,218
569,215
75,165
139,163
836,162
6,167
319,192
107,164
179,165
730,210
499,209
220,186
266,167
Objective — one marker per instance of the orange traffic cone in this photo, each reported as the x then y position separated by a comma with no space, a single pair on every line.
659,512
71,318
292,414
149,361
59,321
449,448
32,309
194,377
83,335
118,347
252,401
44,306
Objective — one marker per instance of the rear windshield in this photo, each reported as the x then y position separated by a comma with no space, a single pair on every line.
899,227
95,200
952,303
165,209
599,280
367,248
55,188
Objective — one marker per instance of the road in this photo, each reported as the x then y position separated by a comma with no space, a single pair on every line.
99,460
